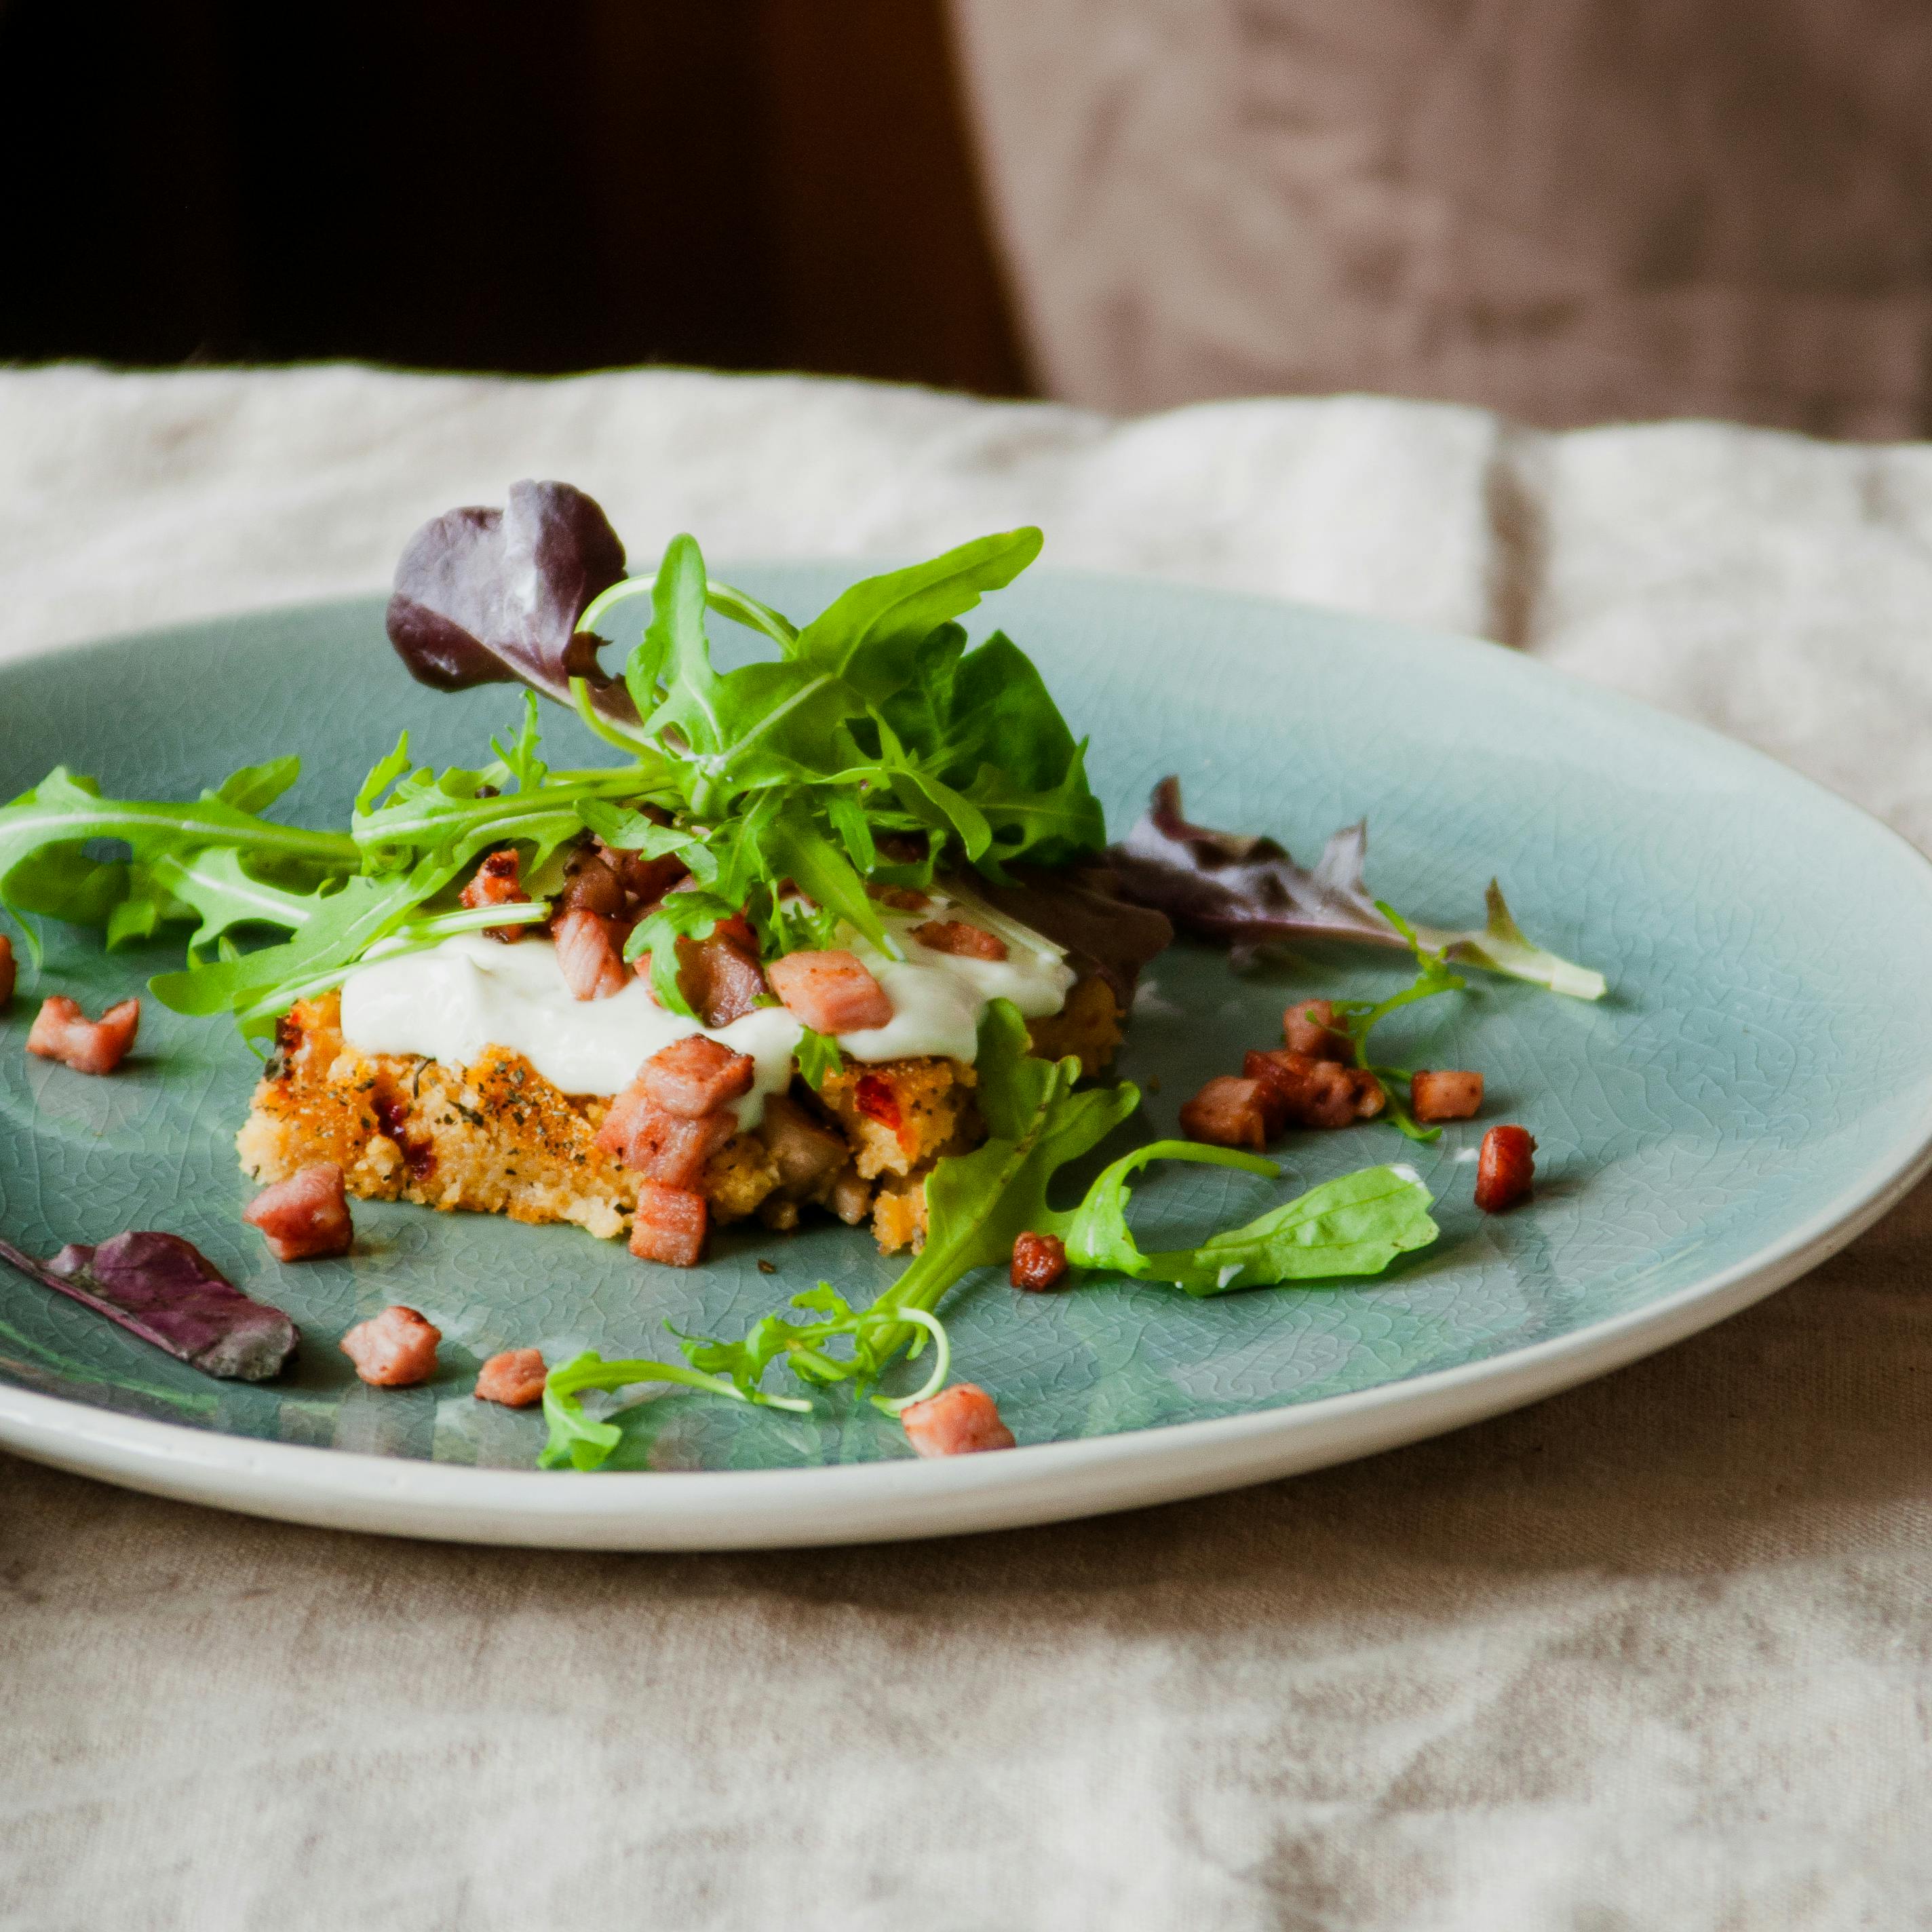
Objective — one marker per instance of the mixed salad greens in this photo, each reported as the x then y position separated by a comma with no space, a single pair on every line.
874,750
876,731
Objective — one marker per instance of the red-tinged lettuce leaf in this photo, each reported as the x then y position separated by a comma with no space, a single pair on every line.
1247,891
1082,909
1232,886
165,1291
487,596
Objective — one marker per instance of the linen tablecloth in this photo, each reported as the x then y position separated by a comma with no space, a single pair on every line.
1655,1653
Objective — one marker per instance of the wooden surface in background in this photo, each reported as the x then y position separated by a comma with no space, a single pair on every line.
752,184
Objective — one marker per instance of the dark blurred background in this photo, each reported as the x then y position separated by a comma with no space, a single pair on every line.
481,184
1573,210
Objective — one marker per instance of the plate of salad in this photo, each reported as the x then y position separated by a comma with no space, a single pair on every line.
622,1051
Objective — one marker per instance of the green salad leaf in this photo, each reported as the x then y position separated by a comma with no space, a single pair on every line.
787,787
978,1204
1355,1224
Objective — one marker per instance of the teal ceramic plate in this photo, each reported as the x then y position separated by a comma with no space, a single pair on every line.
1757,1088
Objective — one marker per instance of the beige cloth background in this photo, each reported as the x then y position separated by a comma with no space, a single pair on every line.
1573,210
1655,1653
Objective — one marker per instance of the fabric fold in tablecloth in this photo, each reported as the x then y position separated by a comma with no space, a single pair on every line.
1655,1653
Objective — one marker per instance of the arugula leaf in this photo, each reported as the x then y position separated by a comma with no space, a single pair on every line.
1355,1224
795,849
978,1204
818,1057
870,636
690,915
575,1438
626,831
46,866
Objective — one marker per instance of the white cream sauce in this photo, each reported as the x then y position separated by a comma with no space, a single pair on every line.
451,1001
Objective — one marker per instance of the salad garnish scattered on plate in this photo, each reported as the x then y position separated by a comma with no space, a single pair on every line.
836,931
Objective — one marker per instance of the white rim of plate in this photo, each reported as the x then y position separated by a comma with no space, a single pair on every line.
1040,1483
871,1502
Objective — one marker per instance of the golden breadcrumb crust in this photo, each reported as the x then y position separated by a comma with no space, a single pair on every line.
496,1138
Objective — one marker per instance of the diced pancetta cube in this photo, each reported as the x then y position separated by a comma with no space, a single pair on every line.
832,992
1505,1168
494,883
1308,1027
694,1076
720,977
960,1420
1039,1262
61,1031
961,938
1444,1093
7,970
1298,1089
669,1225
588,956
306,1215
1227,1112
592,884
662,1146
515,1378
395,1349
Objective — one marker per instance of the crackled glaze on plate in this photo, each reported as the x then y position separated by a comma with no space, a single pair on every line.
1758,1085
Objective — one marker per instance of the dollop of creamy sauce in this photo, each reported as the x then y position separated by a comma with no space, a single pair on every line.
450,1002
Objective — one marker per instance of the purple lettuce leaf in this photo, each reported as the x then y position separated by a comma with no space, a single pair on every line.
1247,891
1233,886
487,596
165,1291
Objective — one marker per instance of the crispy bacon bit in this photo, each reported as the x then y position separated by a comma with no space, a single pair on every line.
304,1216
874,1098
1308,1027
395,1349
901,898
588,957
695,1076
515,1378
592,884
962,1420
1444,1093
1301,1090
721,976
61,1031
1505,1169
961,938
807,1155
646,880
495,883
661,1147
1227,1112
1039,1262
7,970
669,1225
831,991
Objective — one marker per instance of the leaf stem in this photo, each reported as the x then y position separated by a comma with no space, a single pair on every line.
725,598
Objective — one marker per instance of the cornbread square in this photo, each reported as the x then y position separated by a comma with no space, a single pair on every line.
497,1137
